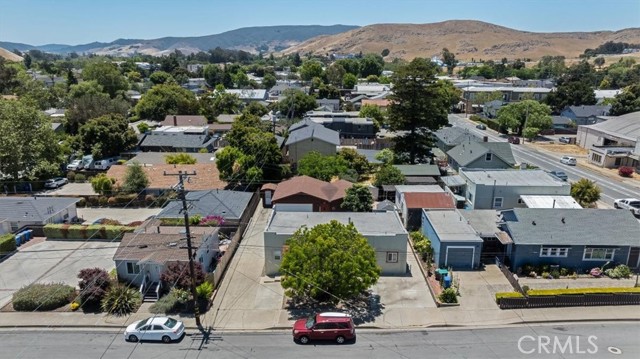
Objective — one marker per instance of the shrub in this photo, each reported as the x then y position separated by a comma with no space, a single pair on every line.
546,275
111,201
564,272
544,268
548,292
80,178
204,290
121,300
448,296
42,297
102,200
121,162
82,202
94,284
7,243
74,306
555,274
71,176
621,271
78,231
177,275
533,274
149,198
212,221
475,118
525,288
180,159
174,302
625,171
501,295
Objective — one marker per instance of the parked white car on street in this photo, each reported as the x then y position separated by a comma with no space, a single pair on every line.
632,204
55,182
570,161
163,329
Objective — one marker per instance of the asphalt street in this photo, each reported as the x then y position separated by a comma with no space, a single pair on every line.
611,189
602,340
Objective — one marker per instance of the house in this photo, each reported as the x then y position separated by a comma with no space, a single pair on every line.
509,93
371,89
142,257
219,128
532,201
585,115
564,124
307,194
206,176
347,127
490,109
419,174
160,158
381,103
184,121
501,189
577,239
602,95
415,202
330,104
401,192
386,205
226,118
383,230
17,212
249,95
455,243
230,205
612,143
471,154
447,138
178,139
57,127
195,68
196,85
495,242
306,136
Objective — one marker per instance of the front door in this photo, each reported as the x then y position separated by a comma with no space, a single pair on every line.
634,257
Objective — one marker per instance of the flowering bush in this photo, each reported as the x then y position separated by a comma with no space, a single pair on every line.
625,171
212,221
596,272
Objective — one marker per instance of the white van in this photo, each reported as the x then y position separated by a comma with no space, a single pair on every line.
105,164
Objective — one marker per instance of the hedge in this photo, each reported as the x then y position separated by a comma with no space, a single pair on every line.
549,292
42,297
7,243
78,231
501,295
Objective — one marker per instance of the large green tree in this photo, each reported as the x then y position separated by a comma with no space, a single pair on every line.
358,199
86,101
107,75
570,93
135,179
374,112
449,60
311,69
28,146
107,136
627,101
355,160
295,103
528,113
419,104
585,192
166,99
371,64
388,175
328,263
324,168
335,73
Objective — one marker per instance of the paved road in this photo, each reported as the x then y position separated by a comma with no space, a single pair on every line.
611,189
432,343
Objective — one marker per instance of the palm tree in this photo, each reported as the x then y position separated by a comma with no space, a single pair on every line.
585,192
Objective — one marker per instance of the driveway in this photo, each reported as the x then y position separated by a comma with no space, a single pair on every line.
52,261
122,215
72,189
478,288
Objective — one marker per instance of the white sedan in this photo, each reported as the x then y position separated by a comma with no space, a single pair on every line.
163,329
571,161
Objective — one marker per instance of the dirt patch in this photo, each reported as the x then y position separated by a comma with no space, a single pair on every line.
564,149
610,172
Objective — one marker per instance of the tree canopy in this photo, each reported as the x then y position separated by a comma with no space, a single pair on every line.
328,262
107,136
449,59
295,103
371,64
107,75
86,101
135,179
311,69
528,113
585,192
358,199
388,175
166,99
419,104
324,168
627,101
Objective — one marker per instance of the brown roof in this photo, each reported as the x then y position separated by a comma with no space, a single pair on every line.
156,247
184,120
222,127
311,187
207,176
271,186
428,200
382,102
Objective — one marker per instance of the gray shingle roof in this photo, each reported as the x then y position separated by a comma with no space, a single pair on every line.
418,170
580,227
159,158
228,204
467,152
299,132
176,141
367,223
37,209
561,120
588,111
452,136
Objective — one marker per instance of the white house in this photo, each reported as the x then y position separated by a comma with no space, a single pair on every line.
17,212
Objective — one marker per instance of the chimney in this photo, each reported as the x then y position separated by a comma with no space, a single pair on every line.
175,120
562,220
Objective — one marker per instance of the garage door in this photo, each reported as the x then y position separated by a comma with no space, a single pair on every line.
460,257
293,207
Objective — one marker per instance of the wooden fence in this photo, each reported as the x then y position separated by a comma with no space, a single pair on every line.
367,144
510,277
570,300
224,261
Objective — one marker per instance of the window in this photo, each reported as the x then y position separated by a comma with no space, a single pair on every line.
277,255
520,201
596,157
598,254
157,327
497,202
488,156
554,251
132,268
392,257
14,226
470,196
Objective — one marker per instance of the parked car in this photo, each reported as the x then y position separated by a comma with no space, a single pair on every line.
513,139
163,329
559,174
632,204
74,165
55,182
481,127
105,164
570,161
324,326
564,139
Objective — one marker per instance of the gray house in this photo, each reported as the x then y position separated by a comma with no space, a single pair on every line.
306,136
17,212
455,243
384,232
447,138
585,115
502,189
578,239
491,155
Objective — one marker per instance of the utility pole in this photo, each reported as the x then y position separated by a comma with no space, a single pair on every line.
182,195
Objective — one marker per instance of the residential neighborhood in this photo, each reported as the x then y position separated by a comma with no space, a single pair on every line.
287,189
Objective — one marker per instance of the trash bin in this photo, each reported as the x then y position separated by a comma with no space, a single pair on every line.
18,239
447,281
29,234
441,273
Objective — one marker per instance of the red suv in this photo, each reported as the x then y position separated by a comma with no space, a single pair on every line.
324,326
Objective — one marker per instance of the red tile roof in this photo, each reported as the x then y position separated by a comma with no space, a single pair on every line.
311,187
429,200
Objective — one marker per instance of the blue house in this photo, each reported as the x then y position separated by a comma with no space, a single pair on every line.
455,243
585,115
578,239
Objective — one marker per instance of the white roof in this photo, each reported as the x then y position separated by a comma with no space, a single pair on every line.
512,178
532,201
504,88
606,93
625,126
248,93
426,188
367,223
450,225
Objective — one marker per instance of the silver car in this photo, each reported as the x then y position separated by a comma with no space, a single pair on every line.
569,161
163,329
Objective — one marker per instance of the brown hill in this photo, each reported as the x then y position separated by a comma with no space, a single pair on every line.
9,56
466,38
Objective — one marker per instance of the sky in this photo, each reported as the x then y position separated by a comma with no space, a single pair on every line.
73,22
